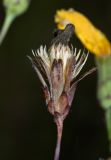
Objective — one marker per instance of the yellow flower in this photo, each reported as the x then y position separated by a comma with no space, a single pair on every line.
92,38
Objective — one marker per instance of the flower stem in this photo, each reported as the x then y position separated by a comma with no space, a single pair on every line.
108,125
59,123
104,90
8,21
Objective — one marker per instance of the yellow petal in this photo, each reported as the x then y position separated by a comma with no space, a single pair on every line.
92,38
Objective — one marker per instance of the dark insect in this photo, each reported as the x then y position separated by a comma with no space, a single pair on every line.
63,36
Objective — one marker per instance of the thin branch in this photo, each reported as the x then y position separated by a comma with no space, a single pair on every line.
7,23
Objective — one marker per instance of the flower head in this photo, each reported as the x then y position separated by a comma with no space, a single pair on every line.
57,69
93,39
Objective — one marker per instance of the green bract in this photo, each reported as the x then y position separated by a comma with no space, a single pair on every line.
16,7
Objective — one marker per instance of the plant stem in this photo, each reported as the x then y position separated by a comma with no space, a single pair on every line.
8,21
104,90
108,125
59,123
104,81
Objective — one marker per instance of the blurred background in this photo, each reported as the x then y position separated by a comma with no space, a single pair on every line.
27,130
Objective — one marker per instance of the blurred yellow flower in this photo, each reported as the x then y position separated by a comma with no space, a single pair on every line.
92,38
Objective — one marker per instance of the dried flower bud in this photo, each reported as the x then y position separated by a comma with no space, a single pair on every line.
61,65
16,7
57,69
